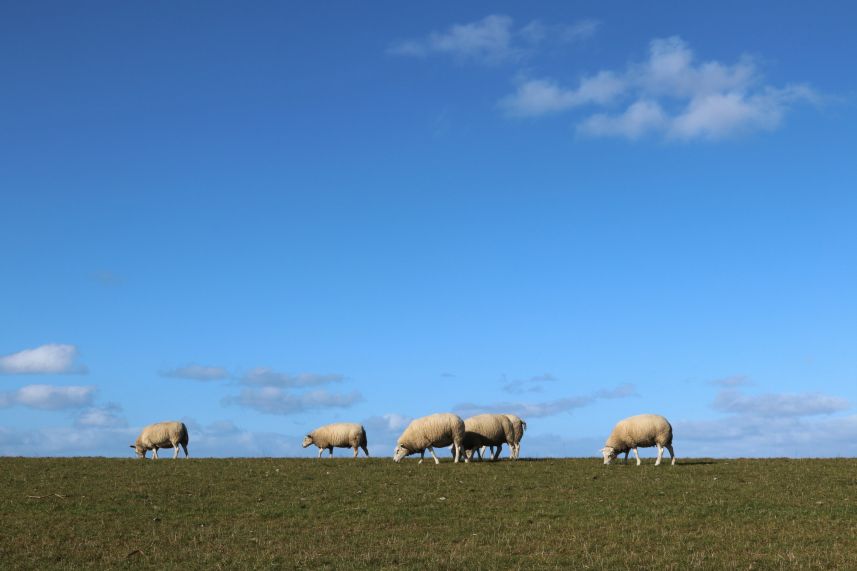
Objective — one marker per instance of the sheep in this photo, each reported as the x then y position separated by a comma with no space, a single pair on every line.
488,430
162,435
642,430
440,430
339,435
520,427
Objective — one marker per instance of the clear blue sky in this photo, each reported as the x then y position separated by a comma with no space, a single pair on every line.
262,218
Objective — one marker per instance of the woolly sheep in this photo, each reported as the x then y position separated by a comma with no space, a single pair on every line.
520,427
488,430
162,435
439,430
642,430
339,435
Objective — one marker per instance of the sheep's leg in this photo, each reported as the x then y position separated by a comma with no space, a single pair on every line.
637,456
320,450
433,455
481,451
496,454
672,456
175,451
660,455
626,456
355,452
154,453
422,456
457,448
331,451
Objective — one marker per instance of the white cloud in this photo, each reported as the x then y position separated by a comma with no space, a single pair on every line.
640,118
537,31
488,40
53,358
671,94
543,96
774,424
197,373
107,416
548,408
492,40
767,405
269,377
274,400
48,397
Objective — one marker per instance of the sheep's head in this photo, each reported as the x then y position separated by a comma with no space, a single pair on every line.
141,452
400,452
307,441
609,454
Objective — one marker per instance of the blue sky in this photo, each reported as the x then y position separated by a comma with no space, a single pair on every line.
259,219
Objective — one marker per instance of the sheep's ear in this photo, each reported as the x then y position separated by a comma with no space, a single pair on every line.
132,446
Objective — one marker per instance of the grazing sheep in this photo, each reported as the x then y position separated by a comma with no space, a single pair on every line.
339,435
642,430
488,430
162,435
520,427
439,430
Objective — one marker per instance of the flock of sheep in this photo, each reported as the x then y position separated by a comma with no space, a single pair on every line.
466,437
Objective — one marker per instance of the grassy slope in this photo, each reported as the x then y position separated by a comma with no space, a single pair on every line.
350,514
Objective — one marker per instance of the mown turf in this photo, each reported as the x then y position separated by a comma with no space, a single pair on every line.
290,513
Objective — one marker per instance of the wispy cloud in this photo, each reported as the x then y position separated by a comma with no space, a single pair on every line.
778,404
544,96
670,94
197,373
270,377
528,385
106,416
492,40
771,424
275,400
54,358
538,31
48,397
546,408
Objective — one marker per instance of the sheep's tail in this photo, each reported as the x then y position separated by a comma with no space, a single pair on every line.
523,427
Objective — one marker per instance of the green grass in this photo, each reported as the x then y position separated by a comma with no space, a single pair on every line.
290,513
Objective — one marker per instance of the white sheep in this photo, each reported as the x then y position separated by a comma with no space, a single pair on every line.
642,430
162,435
488,430
439,430
339,435
520,427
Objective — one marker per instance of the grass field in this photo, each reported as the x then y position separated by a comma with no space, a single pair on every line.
297,513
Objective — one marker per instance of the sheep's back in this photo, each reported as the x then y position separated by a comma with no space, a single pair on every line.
439,430
162,433
489,426
642,430
339,434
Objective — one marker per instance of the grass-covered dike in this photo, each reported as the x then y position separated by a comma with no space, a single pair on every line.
346,514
